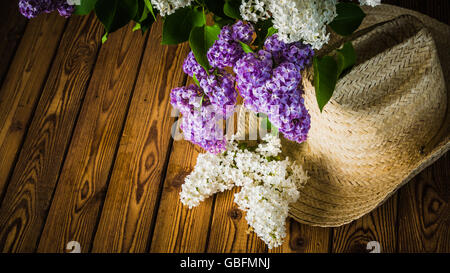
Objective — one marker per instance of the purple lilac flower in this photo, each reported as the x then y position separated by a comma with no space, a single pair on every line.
226,33
186,99
270,83
226,50
204,128
252,73
191,67
201,121
292,117
64,9
242,32
296,53
32,8
219,87
224,53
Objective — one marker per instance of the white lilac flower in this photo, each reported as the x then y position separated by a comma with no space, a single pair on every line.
303,20
372,3
255,10
167,7
296,20
268,184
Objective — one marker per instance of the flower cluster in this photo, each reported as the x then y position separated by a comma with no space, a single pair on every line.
201,123
227,49
270,82
255,10
296,20
167,7
372,3
32,8
268,184
204,107
303,20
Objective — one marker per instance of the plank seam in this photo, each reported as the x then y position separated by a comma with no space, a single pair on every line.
210,223
161,187
397,221
330,240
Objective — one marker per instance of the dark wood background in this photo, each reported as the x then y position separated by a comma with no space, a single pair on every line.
86,153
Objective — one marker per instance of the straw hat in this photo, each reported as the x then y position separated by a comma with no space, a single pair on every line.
386,121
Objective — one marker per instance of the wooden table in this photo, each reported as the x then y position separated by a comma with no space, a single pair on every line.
86,154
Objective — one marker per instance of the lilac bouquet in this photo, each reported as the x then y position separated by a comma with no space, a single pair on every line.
268,80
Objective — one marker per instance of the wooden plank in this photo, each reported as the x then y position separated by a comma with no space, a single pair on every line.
29,194
23,85
179,229
127,217
82,184
379,225
303,238
229,229
424,210
12,27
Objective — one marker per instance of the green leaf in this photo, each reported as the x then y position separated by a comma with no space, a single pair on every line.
195,80
346,58
178,25
150,8
216,7
348,19
201,100
85,7
143,20
265,122
231,9
104,37
325,77
137,26
221,22
271,31
141,13
200,40
246,47
115,14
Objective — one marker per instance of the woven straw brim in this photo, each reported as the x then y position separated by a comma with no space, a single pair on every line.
350,175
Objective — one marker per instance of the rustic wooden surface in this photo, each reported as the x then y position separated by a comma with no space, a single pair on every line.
86,154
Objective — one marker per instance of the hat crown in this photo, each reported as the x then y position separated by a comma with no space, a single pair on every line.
384,111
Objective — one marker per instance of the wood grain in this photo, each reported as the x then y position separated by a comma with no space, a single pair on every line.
12,27
22,87
82,183
380,225
134,190
424,210
303,238
229,229
25,207
178,228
